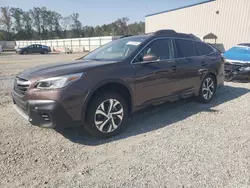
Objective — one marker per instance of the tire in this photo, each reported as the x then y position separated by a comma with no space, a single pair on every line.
102,124
25,52
207,89
45,52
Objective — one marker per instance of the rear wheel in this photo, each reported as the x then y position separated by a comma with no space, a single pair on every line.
106,115
208,89
25,52
45,52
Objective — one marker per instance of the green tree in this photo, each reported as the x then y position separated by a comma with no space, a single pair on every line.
66,22
56,23
36,16
17,14
136,28
122,24
27,22
77,25
88,31
1,35
5,20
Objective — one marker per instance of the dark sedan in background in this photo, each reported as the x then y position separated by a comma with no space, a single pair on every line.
237,64
34,48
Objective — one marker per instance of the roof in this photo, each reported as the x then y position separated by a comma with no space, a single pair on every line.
173,33
210,36
244,44
207,1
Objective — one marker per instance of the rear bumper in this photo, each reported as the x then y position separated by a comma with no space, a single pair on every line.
44,113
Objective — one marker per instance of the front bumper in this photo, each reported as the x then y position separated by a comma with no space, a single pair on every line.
233,72
43,113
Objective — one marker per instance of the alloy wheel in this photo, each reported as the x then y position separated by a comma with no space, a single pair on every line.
109,115
208,88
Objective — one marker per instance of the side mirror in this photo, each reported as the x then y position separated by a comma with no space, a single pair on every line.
150,58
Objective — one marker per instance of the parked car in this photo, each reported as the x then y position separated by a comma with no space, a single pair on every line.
101,89
244,44
237,64
34,48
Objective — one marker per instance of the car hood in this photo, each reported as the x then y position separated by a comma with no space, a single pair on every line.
239,58
62,68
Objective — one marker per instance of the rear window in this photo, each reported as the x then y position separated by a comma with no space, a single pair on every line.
203,48
185,48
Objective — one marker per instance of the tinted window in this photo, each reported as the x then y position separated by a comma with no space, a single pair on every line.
185,48
161,48
203,49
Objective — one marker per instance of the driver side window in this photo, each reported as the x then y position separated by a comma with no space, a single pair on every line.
161,48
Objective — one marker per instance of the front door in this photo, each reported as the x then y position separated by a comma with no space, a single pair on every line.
154,80
32,48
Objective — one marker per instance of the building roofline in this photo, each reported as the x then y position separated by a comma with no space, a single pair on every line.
208,1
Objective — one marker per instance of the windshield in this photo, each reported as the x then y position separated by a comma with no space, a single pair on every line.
117,50
240,49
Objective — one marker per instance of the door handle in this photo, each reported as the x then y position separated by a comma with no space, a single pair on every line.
202,71
173,68
204,64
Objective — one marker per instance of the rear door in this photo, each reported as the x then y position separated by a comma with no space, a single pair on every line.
211,60
188,66
155,80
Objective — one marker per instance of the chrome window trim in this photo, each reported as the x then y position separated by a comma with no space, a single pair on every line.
159,38
172,41
193,56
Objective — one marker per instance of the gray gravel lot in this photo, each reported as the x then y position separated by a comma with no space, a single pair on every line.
180,144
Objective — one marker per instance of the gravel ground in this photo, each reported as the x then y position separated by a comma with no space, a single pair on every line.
180,144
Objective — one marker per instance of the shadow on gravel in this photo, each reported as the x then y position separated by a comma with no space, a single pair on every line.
153,118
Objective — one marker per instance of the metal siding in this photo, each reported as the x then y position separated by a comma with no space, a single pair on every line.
231,25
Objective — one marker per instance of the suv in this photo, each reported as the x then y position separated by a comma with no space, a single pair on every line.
34,48
101,89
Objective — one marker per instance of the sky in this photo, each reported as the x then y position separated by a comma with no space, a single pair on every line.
98,12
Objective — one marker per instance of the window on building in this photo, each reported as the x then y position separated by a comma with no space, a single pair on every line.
185,48
203,48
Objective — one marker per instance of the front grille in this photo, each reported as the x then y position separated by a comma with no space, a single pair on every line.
21,86
46,117
230,68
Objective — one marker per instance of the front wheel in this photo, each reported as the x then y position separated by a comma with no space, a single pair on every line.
106,115
208,89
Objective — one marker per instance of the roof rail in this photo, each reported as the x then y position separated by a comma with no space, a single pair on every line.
165,32
124,36
173,33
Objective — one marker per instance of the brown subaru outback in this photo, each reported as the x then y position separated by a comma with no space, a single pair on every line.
100,90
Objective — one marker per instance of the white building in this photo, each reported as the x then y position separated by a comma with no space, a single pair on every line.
229,20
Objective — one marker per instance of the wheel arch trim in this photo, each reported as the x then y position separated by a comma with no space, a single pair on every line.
101,84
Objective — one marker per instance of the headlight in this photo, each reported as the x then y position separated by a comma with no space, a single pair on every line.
58,82
244,69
